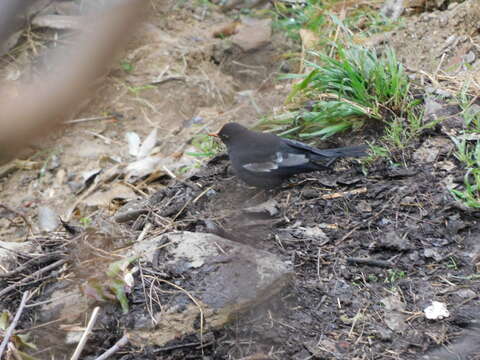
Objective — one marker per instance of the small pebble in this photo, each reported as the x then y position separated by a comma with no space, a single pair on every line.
310,194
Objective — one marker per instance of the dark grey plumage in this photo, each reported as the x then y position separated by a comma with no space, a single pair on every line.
265,160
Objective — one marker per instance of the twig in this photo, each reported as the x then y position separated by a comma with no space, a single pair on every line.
167,79
370,262
95,118
50,300
122,342
105,139
260,356
85,335
344,193
435,74
467,301
144,232
318,263
202,193
182,209
12,326
27,278
14,351
180,346
175,347
35,261
169,172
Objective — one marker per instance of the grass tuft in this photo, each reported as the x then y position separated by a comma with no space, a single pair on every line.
206,146
468,152
344,90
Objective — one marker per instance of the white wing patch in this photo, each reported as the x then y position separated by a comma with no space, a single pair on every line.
293,160
281,160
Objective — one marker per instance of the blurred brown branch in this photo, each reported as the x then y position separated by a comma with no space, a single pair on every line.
39,106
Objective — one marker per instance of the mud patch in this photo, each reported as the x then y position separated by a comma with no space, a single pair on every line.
354,242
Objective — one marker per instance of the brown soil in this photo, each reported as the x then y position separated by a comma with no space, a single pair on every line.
420,244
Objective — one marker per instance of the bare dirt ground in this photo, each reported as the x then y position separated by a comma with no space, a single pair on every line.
420,245
174,85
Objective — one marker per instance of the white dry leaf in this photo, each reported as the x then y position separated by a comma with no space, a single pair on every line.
436,311
142,167
47,218
104,198
148,144
133,141
128,277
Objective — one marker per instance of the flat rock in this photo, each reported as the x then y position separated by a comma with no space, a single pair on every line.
432,148
252,34
395,318
219,278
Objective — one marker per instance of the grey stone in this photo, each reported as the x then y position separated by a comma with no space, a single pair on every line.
470,57
432,253
466,293
224,277
394,316
253,34
393,241
392,9
269,207
431,148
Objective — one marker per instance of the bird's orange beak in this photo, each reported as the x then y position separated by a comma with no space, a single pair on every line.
213,134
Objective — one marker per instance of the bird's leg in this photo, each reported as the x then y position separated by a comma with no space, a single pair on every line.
331,161
260,192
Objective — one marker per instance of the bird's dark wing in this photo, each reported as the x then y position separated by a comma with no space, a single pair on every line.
350,151
279,161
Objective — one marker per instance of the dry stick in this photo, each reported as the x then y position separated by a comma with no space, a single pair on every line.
35,261
26,279
96,118
12,326
122,342
370,262
344,193
14,351
87,332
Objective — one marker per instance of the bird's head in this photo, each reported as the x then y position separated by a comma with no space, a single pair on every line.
230,133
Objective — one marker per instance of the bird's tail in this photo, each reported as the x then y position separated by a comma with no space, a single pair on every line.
349,151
